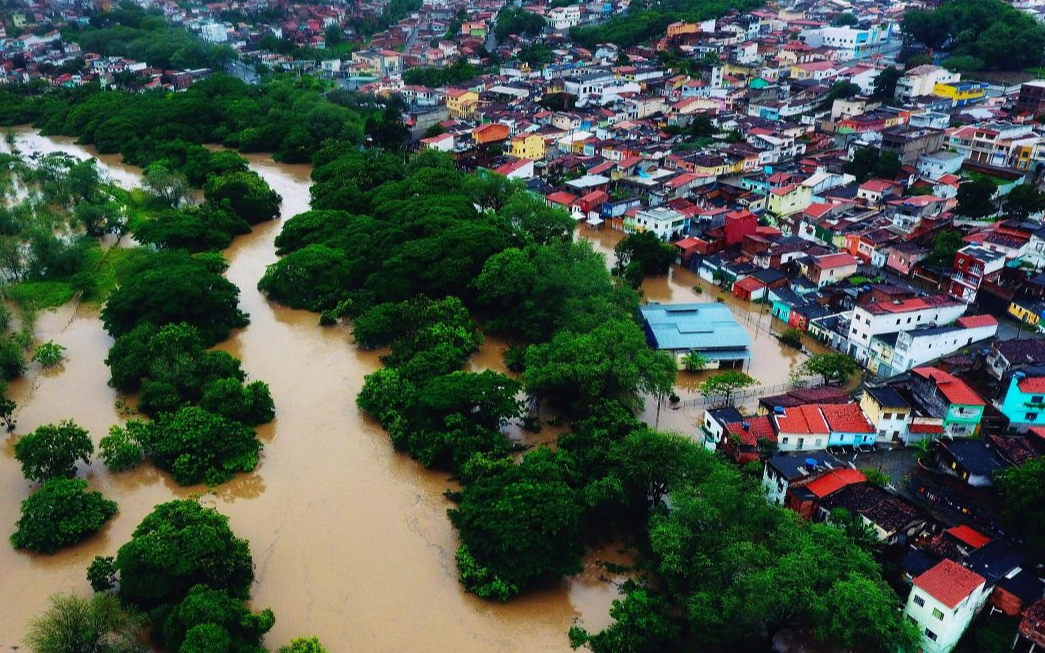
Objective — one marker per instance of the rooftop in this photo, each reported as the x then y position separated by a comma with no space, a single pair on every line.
704,327
949,582
954,389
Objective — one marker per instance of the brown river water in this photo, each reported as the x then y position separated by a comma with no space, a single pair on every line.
350,539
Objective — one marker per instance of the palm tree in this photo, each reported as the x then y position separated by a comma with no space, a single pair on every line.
694,361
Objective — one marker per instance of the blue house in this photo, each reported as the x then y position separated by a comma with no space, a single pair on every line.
707,329
1024,403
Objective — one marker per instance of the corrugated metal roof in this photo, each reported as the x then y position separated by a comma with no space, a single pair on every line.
703,327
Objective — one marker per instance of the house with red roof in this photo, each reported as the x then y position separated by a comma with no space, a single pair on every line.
742,439
800,428
943,602
950,398
1024,402
517,169
831,268
848,425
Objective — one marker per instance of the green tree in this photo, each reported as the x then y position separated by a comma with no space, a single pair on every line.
725,385
612,361
173,288
642,623
315,277
945,245
694,361
61,513
643,254
845,19
834,368
52,451
976,198
518,523
1023,201
213,608
1023,492
122,449
197,446
842,90
73,624
303,645
179,545
246,194
49,354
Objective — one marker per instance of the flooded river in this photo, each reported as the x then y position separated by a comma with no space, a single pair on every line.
350,538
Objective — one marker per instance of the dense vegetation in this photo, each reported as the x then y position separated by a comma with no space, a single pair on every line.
62,512
286,116
455,74
411,251
514,21
992,33
648,20
132,32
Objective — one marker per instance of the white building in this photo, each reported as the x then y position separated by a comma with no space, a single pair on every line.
891,317
938,164
921,80
895,353
563,18
664,222
214,33
853,42
943,602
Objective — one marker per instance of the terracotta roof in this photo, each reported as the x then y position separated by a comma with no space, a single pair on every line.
926,428
802,419
847,418
834,481
749,284
561,197
834,261
970,536
1032,385
953,388
949,582
758,427
973,321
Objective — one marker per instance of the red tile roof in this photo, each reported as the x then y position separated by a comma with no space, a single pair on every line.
1032,385
970,536
926,428
973,321
802,420
758,427
846,418
953,388
561,197
750,284
834,481
834,261
949,582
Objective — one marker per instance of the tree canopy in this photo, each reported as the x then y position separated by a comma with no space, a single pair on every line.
996,33
61,513
52,451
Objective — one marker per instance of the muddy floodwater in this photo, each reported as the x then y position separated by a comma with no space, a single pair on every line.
350,539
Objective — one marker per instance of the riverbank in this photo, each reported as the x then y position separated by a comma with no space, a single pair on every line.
350,538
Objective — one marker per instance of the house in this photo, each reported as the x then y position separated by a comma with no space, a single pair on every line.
743,441
460,102
962,92
785,473
517,169
491,132
528,146
756,286
707,329
943,602
801,428
922,80
439,143
789,200
848,426
910,144
878,318
1024,402
714,426
972,266
963,407
895,353
666,223
892,518
831,268
888,412
1009,356
972,461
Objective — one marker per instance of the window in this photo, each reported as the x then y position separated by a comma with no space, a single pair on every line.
1031,417
938,614
784,440
919,601
1036,399
887,415
930,634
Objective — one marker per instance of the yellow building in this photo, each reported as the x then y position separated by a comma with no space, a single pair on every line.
460,102
528,146
1026,313
789,199
961,92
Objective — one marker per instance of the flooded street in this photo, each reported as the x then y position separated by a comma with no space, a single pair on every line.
350,539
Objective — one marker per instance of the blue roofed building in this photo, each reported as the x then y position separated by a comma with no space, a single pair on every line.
706,328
